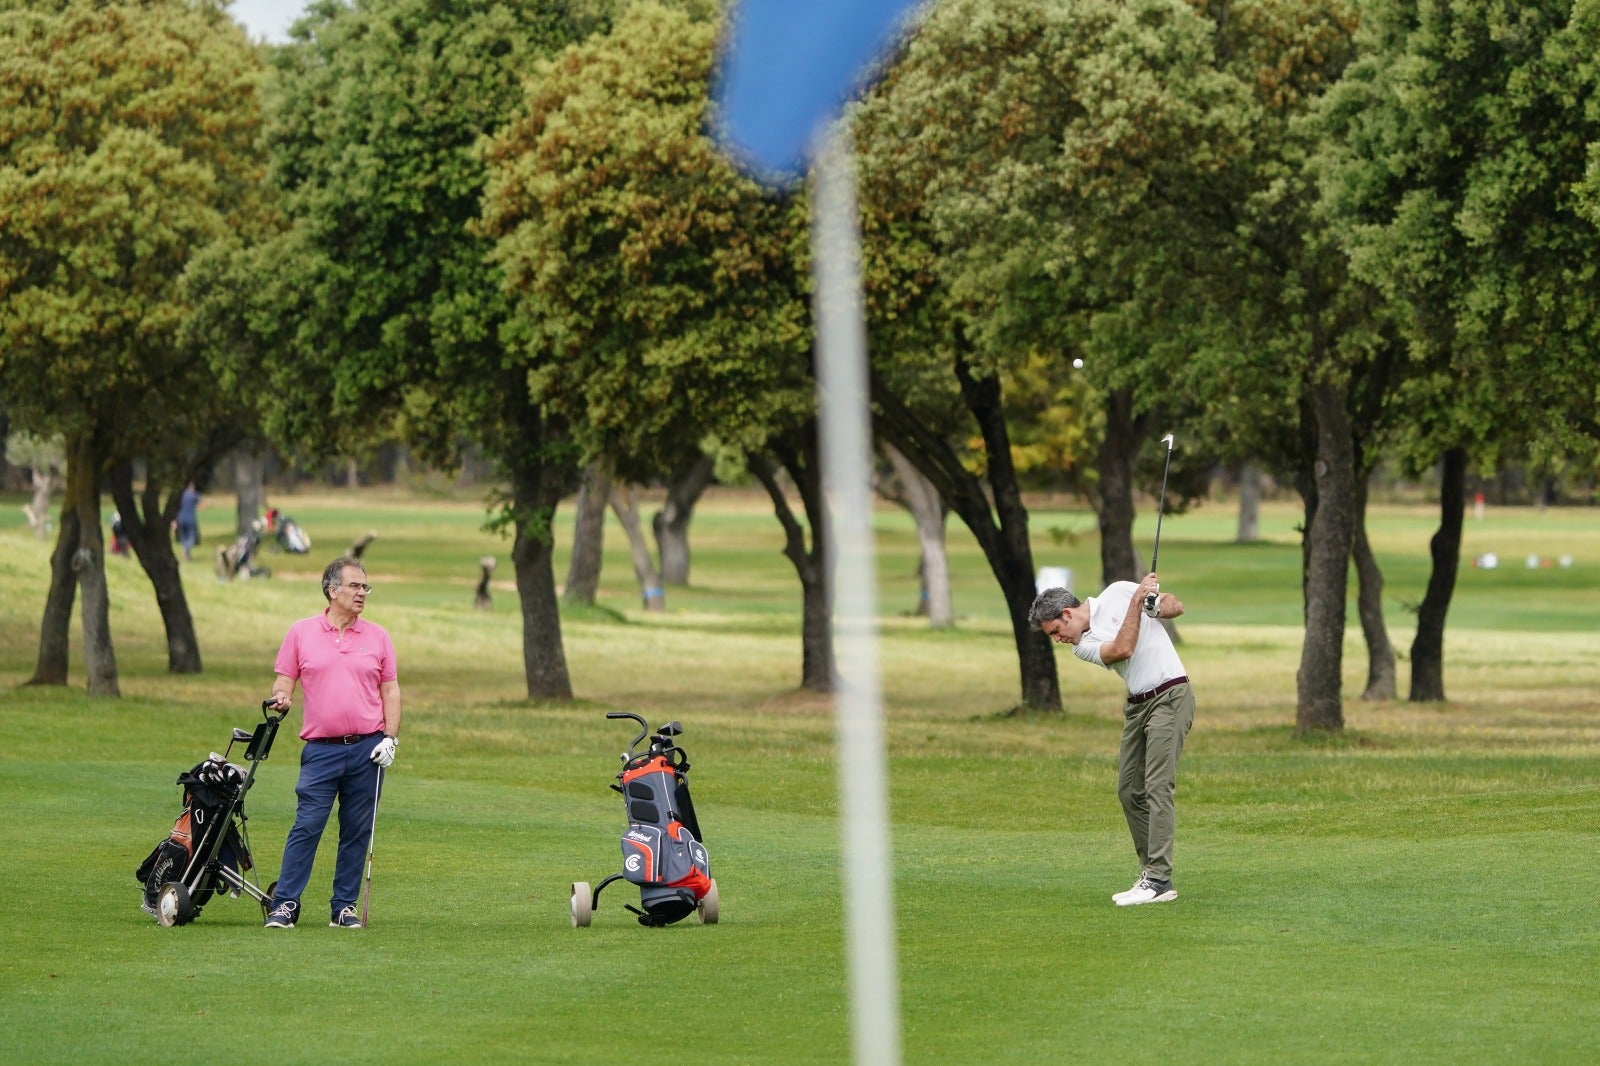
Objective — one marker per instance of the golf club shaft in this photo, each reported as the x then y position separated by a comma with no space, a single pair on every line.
366,889
1161,508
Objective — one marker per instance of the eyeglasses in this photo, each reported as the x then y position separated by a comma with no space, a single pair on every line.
358,586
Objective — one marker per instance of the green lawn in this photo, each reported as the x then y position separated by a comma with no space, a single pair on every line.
1414,892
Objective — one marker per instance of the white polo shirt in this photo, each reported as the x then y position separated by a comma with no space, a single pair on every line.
1154,659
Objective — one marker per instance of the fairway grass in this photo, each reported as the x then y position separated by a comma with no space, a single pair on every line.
1415,890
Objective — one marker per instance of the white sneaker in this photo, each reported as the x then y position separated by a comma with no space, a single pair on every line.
1147,891
1117,897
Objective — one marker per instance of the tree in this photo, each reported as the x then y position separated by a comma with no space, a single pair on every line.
662,283
1086,132
377,301
588,535
910,489
128,141
670,524
1455,148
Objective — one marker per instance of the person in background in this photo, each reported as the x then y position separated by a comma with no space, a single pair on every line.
345,668
188,523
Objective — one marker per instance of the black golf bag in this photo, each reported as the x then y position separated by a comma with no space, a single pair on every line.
661,849
210,790
208,850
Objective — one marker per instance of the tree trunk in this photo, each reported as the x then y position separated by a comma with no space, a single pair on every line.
55,630
1249,504
1427,648
89,564
146,523
644,567
1319,702
249,483
588,535
536,460
1369,605
671,523
1041,687
38,511
1000,527
1119,560
928,512
798,456
1114,463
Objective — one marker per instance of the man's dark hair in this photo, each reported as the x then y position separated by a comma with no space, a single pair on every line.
1049,604
334,574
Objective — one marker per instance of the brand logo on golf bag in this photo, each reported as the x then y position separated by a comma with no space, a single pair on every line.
634,834
633,864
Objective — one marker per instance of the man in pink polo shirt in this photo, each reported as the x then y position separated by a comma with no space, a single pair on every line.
345,667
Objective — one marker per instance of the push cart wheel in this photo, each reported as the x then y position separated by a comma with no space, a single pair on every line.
266,904
173,906
582,904
707,907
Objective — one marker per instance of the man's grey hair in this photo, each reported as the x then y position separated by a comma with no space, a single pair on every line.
1049,604
334,574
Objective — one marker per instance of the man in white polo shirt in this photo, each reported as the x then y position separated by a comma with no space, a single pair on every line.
345,667
1119,630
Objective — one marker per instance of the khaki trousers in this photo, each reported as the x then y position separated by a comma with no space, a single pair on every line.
1147,774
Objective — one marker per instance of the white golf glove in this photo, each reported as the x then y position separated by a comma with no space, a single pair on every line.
383,754
1152,603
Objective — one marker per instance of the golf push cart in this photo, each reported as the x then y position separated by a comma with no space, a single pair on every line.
208,850
661,850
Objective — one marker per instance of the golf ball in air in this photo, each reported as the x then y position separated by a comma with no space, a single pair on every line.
1077,364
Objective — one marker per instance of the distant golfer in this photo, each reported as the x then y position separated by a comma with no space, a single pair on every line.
1112,630
346,668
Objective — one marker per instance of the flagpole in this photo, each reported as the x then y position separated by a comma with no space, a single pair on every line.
845,431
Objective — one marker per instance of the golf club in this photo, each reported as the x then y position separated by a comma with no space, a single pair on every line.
1155,552
366,889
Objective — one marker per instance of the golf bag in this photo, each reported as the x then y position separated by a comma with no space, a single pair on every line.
210,789
238,558
208,849
288,533
661,849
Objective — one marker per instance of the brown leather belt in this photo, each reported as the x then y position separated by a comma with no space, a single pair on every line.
348,738
1145,697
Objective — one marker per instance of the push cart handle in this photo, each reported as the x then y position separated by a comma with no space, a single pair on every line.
644,727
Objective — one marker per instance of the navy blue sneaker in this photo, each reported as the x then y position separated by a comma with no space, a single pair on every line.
346,919
282,915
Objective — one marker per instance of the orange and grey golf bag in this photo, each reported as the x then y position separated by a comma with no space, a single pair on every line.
662,851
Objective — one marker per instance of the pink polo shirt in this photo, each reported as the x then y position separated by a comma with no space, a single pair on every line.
339,674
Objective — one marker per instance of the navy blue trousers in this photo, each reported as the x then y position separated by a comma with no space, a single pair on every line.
347,773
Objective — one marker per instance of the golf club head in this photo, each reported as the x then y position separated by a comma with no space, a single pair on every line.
1167,440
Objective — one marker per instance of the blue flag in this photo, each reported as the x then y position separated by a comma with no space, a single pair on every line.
789,66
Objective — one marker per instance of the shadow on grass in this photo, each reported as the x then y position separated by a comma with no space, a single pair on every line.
1022,713
1289,738
592,612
